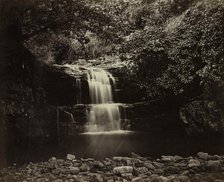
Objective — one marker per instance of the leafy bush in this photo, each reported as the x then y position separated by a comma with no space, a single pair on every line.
176,49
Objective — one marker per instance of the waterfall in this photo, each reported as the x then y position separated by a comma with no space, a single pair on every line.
79,90
100,87
104,114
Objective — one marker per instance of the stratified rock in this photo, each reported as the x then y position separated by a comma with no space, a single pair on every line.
123,169
70,157
194,163
202,155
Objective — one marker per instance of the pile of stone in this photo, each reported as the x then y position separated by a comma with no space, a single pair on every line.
203,167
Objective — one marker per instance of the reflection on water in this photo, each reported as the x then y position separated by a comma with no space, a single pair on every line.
113,132
114,143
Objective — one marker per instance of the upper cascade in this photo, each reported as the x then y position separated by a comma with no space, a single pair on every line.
100,86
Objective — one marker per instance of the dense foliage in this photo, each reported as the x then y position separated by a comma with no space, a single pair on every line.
89,28
171,46
180,46
171,51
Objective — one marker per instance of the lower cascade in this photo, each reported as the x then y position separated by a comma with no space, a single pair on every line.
104,114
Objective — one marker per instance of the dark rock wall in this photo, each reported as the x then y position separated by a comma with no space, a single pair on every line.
202,116
158,118
60,88
197,111
126,89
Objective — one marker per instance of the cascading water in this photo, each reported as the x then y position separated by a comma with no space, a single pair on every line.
79,90
104,115
100,87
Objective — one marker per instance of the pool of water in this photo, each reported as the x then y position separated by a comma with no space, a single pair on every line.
109,144
119,143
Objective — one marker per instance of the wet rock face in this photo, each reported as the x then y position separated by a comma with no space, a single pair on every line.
202,117
60,87
166,168
72,119
20,93
156,117
126,91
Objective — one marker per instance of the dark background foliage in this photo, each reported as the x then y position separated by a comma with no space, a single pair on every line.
171,51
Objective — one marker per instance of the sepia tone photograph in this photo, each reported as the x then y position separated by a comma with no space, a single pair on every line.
111,90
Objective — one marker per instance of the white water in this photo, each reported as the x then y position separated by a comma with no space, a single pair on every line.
115,132
104,115
100,87
79,90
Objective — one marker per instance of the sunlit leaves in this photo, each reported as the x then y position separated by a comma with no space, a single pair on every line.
191,39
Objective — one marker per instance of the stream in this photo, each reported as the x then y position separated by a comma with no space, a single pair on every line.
99,145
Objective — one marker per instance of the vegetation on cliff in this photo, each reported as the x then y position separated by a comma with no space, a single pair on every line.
176,46
172,49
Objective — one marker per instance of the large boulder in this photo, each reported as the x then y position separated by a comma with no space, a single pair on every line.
123,169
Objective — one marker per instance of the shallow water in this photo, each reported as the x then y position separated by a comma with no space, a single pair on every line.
115,143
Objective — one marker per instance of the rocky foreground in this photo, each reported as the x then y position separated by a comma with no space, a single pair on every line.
203,167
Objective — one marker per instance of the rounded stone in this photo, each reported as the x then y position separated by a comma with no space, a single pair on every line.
202,155
70,157
123,169
194,163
